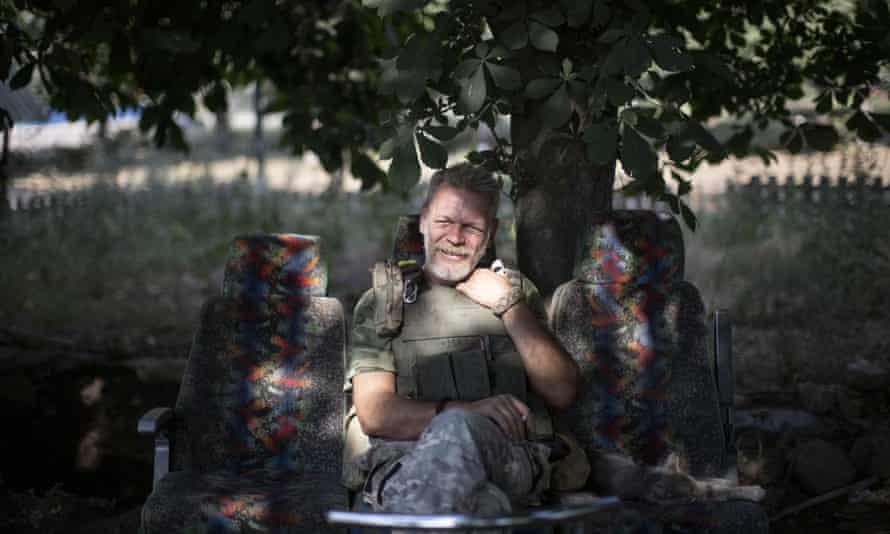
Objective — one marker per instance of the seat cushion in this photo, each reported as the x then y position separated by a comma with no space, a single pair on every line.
622,400
220,503
263,388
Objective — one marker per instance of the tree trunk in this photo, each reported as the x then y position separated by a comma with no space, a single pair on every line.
551,214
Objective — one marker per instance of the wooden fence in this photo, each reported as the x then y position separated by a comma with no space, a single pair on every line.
862,191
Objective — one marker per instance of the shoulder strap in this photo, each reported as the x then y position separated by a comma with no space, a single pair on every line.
394,284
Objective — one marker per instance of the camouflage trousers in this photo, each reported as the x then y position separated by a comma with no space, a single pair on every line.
463,463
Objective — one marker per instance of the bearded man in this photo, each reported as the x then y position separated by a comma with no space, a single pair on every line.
452,411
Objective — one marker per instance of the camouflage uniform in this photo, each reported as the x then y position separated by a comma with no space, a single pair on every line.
463,462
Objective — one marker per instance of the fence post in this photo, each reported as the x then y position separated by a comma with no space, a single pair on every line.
824,191
752,195
806,189
843,191
860,190
771,196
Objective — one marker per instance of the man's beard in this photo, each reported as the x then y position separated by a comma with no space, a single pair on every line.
451,273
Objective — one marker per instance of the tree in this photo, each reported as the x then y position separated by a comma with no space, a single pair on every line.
584,83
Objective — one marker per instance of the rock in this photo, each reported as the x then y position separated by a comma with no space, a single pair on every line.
871,453
758,462
850,404
157,371
864,375
779,420
817,398
821,466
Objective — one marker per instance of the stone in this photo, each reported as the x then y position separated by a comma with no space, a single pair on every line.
802,423
864,375
761,460
871,453
850,404
817,398
820,466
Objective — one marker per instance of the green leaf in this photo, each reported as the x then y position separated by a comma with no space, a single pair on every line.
388,148
703,137
515,36
404,172
612,35
169,41
863,126
618,92
650,126
466,68
388,7
366,170
473,92
274,39
542,37
434,155
549,17
541,87
793,140
481,50
22,76
883,120
557,108
821,137
635,55
680,148
669,53
405,84
577,11
825,102
601,14
215,99
688,216
442,133
504,77
422,52
601,141
637,155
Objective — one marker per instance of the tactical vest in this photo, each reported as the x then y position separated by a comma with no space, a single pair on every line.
447,346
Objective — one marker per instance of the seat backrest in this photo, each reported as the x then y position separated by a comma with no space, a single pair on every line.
636,330
261,392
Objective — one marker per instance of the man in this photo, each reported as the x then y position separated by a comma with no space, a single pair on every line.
456,403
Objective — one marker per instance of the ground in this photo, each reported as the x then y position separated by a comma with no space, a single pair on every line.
101,292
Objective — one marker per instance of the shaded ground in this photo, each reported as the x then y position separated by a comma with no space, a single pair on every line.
100,298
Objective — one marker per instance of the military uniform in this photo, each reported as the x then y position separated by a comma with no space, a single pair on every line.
447,347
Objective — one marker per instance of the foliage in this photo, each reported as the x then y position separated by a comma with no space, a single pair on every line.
92,57
622,79
105,257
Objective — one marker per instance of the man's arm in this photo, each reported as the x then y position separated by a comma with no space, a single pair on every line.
552,373
382,412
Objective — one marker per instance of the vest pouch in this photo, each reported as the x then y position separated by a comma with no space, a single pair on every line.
461,375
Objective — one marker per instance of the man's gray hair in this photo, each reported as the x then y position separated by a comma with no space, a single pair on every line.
468,177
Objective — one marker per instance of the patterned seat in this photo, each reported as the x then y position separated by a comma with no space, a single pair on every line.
257,425
637,331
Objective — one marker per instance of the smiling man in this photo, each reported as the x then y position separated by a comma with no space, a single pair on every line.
457,400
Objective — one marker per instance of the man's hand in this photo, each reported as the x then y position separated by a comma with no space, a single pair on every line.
485,287
510,413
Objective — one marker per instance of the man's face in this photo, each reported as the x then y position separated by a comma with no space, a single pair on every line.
455,230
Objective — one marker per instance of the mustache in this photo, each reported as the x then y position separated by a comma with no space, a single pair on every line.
462,251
